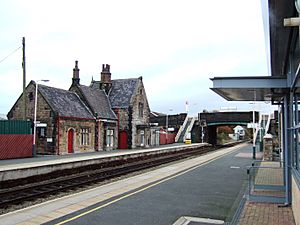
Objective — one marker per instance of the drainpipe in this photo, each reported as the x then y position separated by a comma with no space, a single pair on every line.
118,128
286,155
99,135
58,133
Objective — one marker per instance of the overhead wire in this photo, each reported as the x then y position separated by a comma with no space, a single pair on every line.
10,54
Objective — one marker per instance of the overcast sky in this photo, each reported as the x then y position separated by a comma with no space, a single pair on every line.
176,45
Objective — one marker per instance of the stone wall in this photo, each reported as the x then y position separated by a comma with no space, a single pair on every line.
102,128
123,117
65,125
45,136
56,129
140,124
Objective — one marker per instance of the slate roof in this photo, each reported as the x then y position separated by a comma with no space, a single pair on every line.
65,103
121,91
98,101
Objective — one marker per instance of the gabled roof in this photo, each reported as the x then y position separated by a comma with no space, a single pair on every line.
121,91
98,101
65,103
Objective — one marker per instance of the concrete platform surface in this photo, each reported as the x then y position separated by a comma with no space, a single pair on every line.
40,160
113,192
269,174
23,168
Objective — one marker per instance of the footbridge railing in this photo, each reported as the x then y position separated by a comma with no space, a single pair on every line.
181,129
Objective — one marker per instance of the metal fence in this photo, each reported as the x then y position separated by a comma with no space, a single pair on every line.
15,127
15,139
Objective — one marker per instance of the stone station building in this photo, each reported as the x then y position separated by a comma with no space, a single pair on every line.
105,115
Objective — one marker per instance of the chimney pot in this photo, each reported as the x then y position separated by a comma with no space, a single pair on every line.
76,78
105,83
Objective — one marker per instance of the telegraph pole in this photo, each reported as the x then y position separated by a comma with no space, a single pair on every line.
24,80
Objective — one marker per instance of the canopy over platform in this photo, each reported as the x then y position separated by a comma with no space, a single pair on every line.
254,88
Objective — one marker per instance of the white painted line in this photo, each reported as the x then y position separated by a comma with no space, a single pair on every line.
185,220
235,167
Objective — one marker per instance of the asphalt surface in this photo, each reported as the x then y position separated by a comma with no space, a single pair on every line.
210,191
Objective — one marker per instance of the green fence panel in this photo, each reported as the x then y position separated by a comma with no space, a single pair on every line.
15,127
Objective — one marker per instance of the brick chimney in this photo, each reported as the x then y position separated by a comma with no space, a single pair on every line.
75,79
105,83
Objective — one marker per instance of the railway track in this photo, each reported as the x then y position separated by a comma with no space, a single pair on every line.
18,192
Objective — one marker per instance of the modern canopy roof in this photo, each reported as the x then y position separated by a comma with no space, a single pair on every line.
264,88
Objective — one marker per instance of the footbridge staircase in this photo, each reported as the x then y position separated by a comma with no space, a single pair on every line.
184,132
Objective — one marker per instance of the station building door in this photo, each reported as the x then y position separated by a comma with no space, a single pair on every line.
123,137
70,141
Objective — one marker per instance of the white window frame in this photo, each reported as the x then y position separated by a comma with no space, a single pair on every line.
109,138
85,136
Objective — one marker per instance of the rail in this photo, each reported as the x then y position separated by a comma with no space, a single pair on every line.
17,192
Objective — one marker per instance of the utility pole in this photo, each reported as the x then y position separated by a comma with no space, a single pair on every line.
24,80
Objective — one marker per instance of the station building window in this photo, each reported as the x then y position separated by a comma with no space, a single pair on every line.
84,136
296,134
109,138
141,109
42,132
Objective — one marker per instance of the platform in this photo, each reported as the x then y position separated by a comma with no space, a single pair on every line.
110,193
263,205
22,168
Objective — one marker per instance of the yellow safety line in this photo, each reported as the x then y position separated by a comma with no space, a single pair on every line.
143,189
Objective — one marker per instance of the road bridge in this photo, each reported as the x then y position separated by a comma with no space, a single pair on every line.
209,121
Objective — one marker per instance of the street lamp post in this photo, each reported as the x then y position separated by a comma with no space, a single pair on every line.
167,124
34,119
253,125
253,129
